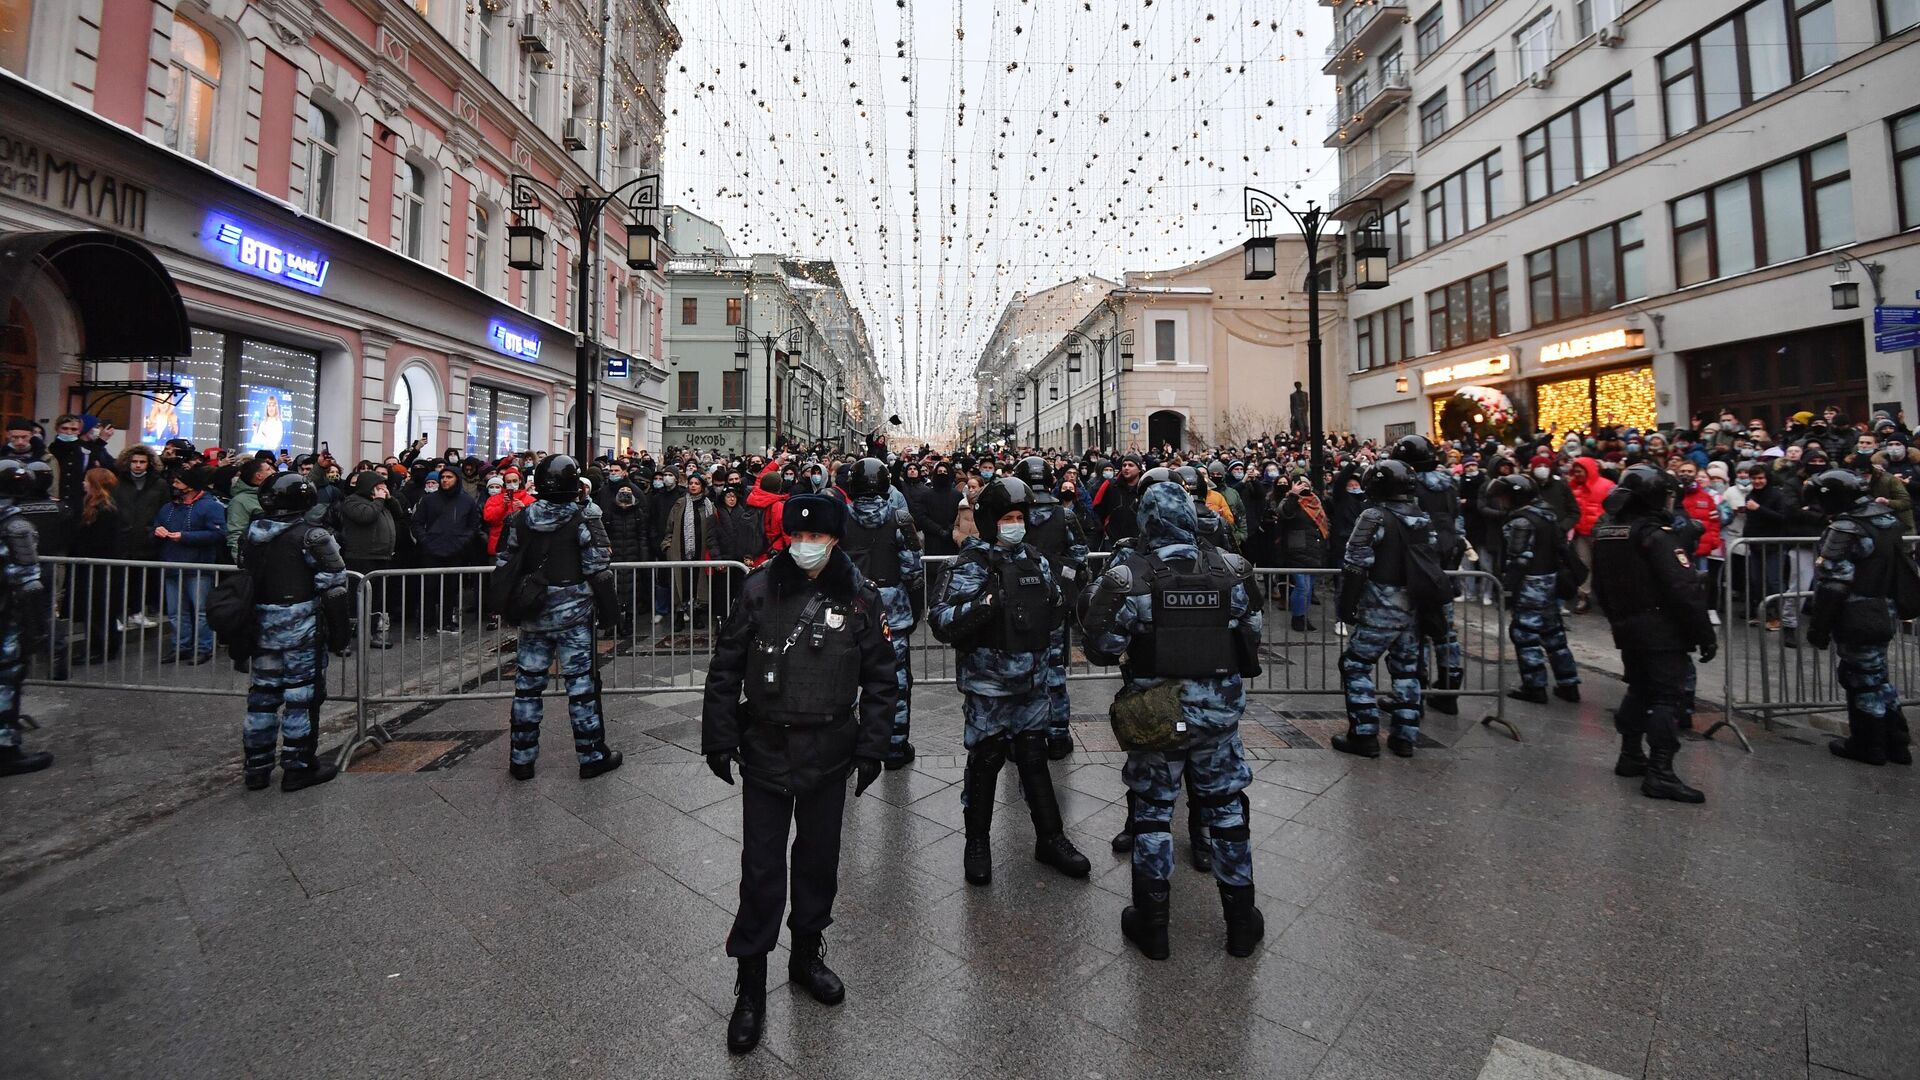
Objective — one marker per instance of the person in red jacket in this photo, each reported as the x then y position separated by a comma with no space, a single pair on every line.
1590,489
1702,506
769,496
504,495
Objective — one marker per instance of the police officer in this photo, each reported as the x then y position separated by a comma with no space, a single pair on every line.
566,541
1535,547
300,604
808,645
1853,587
1182,611
1438,493
1213,529
1378,602
24,609
1644,581
885,547
1054,531
998,608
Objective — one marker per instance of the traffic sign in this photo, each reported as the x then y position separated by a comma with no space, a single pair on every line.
616,367
1889,318
1898,340
1133,426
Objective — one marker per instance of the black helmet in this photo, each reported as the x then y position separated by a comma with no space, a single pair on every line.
1838,490
557,479
868,477
1510,492
1159,474
288,493
999,498
1035,471
1648,490
14,482
1415,450
1194,480
1389,479
39,479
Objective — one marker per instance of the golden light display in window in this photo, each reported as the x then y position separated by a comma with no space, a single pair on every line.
1566,405
1626,398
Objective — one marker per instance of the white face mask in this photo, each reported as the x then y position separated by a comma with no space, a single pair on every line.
810,554
1012,534
494,489
1542,473
433,485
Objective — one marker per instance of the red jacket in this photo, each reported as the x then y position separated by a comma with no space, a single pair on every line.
1588,493
497,510
770,504
1702,507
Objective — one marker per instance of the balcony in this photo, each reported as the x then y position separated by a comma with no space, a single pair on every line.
1362,111
1386,175
1351,41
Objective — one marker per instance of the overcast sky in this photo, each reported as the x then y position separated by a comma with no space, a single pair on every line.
1016,144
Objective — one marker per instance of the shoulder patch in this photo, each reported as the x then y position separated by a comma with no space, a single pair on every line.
1681,557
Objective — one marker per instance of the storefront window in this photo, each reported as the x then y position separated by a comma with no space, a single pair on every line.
499,422
1620,398
196,417
276,390
240,392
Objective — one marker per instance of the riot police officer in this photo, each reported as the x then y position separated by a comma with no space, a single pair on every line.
807,645
1535,547
1390,605
300,609
1055,532
24,612
1853,608
1438,493
998,609
1183,615
566,543
1212,527
885,547
1644,581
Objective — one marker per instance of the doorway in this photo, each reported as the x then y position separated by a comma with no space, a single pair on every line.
1166,428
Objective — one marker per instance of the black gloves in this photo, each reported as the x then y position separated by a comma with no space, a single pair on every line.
721,763
868,770
1711,648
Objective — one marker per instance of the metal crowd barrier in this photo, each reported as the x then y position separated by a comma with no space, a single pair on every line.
1765,678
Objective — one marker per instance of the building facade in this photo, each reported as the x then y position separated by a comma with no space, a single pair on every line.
327,186
1609,212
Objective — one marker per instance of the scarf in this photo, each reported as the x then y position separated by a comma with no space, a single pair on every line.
688,550
1315,513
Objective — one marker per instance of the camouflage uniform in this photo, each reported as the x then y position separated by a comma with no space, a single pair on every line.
562,631
1848,600
873,511
25,604
1072,569
1539,638
1384,623
289,658
1439,497
1005,691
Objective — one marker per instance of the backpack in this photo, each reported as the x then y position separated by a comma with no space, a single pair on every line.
1906,584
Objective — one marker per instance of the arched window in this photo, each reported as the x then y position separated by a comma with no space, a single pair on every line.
413,213
323,149
16,22
482,245
193,79
405,426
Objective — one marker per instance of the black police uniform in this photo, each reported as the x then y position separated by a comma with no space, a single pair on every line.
800,685
1855,610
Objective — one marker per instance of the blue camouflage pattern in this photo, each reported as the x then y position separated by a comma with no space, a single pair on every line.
1072,571
873,511
987,671
1860,667
1215,762
1446,651
1862,671
1384,626
560,636
19,551
1539,636
288,670
990,717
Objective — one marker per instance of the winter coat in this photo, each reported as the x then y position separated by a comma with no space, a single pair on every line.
626,526
447,524
138,501
201,521
1701,505
1302,543
1589,491
964,527
934,507
242,507
369,527
739,534
768,496
675,530
498,509
102,539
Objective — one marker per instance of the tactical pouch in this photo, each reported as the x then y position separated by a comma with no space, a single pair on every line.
1246,649
1150,719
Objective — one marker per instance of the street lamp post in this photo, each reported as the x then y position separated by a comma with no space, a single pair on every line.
1123,339
526,250
1259,254
744,339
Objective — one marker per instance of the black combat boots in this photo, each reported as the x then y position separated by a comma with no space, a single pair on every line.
1661,782
749,1005
981,780
1050,843
1445,703
300,765
1866,741
807,970
14,761
608,761
1633,758
1245,925
1358,745
1144,922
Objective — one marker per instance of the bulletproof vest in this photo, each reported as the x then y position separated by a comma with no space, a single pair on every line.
280,572
1050,536
875,549
1620,560
804,674
1546,545
1025,602
1390,551
1873,575
563,552
1192,605
51,520
1443,506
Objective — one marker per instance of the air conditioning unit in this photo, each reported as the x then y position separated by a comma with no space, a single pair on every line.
1611,35
1541,79
533,33
573,133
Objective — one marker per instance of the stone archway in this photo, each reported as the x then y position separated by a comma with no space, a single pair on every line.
1166,427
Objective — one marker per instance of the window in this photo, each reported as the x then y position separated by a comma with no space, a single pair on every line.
193,79
1784,211
1163,352
499,422
1589,138
1906,167
690,311
533,88
1533,46
1384,338
482,245
1898,15
1464,201
1759,50
483,41
16,21
1587,273
413,212
246,393
1398,227
1433,117
323,148
1471,9
689,391
733,311
424,7
733,391
1429,32
1472,309
1594,14
1478,82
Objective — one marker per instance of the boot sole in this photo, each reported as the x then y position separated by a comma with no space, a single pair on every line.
1671,796
1359,751
1149,951
290,784
798,982
602,767
1069,870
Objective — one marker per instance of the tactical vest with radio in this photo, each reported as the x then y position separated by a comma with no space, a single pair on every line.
803,667
875,549
1025,599
1194,636
279,568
